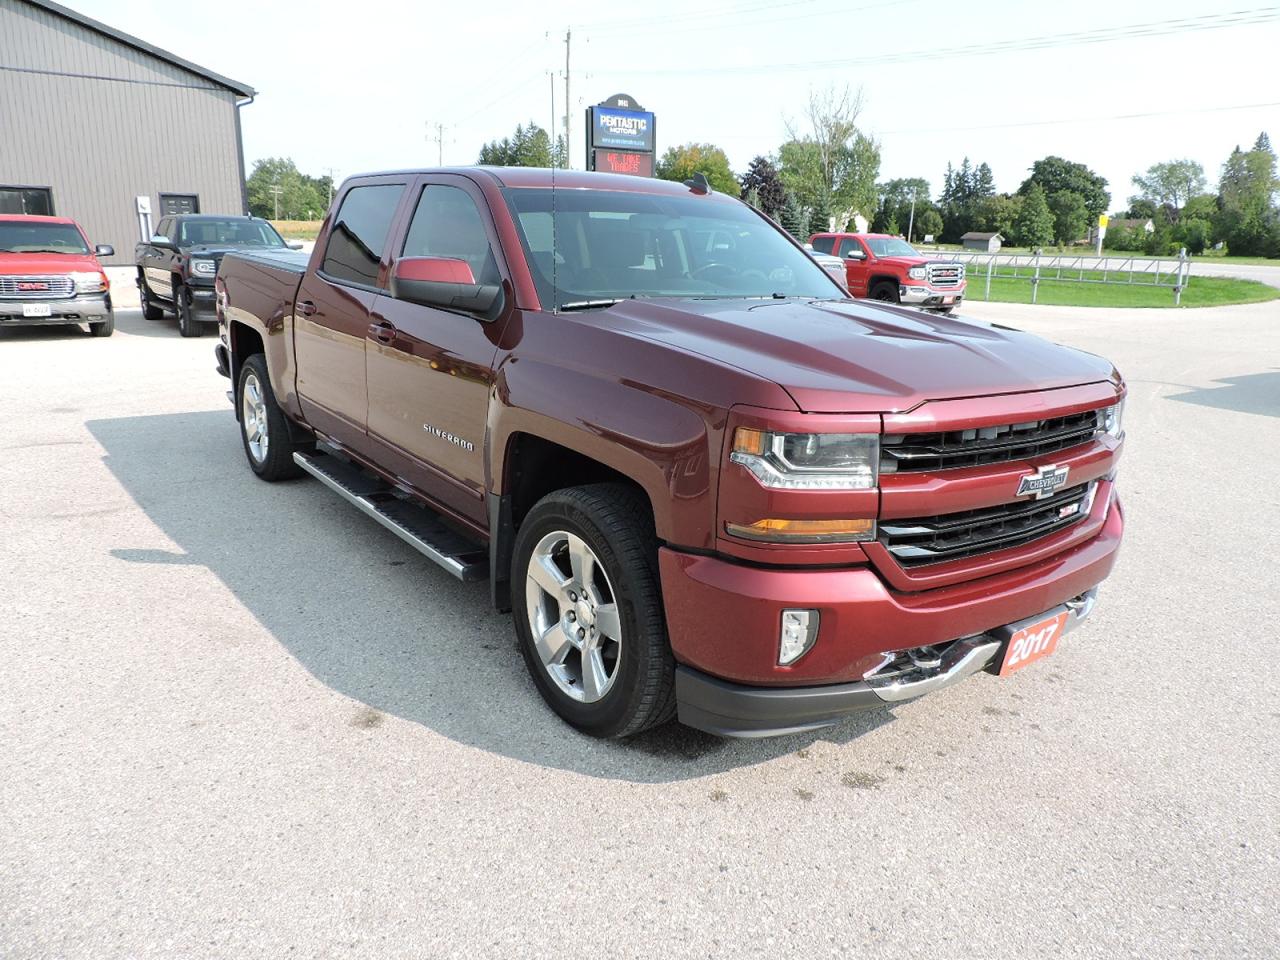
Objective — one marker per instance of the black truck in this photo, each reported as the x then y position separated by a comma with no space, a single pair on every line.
177,266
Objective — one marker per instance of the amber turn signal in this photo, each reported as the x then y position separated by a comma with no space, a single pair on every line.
805,531
746,440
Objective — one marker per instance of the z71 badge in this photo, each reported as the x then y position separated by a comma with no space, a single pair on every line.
1043,482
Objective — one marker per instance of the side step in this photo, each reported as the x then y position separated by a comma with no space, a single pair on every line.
415,525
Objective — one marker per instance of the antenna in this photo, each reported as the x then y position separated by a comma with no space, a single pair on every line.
699,184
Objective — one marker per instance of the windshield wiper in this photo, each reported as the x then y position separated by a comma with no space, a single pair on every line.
588,304
40,250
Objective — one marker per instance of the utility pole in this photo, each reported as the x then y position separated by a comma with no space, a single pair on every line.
330,186
551,130
912,222
439,139
568,101
275,193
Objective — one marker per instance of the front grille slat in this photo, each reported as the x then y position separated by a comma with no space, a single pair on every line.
949,449
953,536
46,287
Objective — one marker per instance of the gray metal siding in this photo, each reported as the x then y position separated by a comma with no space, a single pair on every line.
102,123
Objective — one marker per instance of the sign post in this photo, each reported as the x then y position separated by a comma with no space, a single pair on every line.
620,137
1103,220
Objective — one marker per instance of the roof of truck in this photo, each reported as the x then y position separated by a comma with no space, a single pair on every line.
521,177
33,218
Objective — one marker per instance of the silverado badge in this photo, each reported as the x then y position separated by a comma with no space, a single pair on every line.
1043,482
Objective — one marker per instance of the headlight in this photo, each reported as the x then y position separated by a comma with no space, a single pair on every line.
1113,420
204,268
918,273
89,282
808,461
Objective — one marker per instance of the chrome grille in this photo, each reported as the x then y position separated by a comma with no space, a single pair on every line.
946,274
37,288
914,452
951,536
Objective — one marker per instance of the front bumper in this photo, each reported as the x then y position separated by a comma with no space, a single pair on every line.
203,298
723,620
736,710
85,308
923,295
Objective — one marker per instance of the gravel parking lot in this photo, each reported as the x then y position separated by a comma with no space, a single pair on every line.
242,720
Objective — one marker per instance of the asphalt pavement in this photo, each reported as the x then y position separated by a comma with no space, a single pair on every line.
242,720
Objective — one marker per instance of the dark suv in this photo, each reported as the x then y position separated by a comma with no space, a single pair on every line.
177,266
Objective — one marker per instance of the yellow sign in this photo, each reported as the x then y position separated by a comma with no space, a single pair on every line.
1103,220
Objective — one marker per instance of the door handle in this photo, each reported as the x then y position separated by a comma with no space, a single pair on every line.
306,308
382,331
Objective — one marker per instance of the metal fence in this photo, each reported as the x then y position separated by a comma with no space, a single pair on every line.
1072,268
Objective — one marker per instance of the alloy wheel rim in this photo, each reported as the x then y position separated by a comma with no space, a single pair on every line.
573,617
254,417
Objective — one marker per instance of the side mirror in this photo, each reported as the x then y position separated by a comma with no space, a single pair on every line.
159,240
445,283
104,250
856,255
293,244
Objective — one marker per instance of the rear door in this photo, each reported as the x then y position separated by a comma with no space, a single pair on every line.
331,314
430,370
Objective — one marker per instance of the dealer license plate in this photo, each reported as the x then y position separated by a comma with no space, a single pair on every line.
1033,642
36,310
948,299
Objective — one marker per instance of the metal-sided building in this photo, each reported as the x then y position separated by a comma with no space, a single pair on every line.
92,120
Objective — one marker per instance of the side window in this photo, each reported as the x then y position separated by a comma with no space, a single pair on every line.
824,244
359,233
164,228
448,223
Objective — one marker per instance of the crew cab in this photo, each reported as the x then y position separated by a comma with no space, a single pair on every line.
50,275
177,266
706,482
881,267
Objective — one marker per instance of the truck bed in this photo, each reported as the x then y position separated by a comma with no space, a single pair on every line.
288,264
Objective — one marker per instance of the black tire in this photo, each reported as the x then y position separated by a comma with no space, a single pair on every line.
616,522
188,325
107,327
885,291
277,463
150,309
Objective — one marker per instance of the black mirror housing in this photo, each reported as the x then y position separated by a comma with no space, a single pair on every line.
484,300
104,250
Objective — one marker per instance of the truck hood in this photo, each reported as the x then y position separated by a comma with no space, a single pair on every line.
836,356
38,264
216,251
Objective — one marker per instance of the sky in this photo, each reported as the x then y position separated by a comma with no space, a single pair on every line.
1003,81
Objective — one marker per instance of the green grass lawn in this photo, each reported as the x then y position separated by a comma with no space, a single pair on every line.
1116,254
1200,292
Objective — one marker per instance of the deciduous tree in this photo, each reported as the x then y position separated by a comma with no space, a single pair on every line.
1170,185
1055,174
681,163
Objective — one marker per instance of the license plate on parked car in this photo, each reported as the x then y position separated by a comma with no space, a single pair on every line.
1033,642
36,310
948,299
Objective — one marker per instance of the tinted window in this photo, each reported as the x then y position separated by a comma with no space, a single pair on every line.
448,223
230,232
32,201
359,233
19,237
824,244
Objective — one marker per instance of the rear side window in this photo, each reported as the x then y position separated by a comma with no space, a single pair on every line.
359,233
448,223
824,244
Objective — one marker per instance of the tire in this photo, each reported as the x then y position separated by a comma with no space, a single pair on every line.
885,291
150,309
634,685
946,311
264,432
107,327
188,325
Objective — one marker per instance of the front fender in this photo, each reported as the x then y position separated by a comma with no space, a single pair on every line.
666,444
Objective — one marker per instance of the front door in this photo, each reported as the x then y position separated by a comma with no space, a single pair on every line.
856,271
429,383
331,315
157,262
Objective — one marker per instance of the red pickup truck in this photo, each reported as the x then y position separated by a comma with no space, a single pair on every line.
881,267
50,275
706,482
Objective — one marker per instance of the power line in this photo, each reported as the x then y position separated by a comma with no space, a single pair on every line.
663,27
1089,119
1220,21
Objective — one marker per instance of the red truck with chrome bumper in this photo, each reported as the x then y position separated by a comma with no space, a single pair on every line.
707,483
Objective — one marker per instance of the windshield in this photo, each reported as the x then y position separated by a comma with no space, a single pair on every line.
19,237
229,233
890,247
611,245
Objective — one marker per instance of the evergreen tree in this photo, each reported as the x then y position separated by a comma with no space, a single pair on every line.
984,183
762,177
1263,143
793,219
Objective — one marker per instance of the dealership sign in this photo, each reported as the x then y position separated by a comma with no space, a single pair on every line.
620,137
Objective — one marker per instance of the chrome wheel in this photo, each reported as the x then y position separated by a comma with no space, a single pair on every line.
253,414
573,616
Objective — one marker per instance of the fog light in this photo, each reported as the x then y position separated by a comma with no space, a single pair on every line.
799,630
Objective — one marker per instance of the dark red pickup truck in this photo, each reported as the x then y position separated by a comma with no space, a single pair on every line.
708,484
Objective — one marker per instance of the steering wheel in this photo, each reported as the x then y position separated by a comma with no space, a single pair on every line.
698,271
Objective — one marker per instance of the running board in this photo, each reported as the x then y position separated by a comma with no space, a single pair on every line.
415,525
